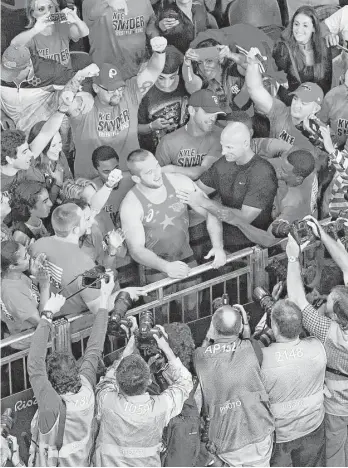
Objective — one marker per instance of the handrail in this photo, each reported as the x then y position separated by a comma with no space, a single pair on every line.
198,270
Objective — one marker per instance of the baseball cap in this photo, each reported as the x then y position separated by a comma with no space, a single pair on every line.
109,77
207,100
16,58
309,92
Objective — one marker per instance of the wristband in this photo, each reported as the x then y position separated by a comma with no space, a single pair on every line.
163,52
47,315
292,259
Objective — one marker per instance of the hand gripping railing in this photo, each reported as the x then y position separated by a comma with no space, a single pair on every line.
158,286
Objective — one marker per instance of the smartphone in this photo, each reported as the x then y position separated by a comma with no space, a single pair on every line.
57,17
207,53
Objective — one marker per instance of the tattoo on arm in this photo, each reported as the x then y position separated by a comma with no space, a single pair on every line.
145,87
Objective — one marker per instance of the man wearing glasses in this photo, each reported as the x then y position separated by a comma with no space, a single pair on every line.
113,118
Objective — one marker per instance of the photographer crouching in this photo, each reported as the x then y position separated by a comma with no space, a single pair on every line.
239,425
62,429
331,328
9,449
131,422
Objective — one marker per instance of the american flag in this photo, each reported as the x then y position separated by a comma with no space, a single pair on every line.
55,272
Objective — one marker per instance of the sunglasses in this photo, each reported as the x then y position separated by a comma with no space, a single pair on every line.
121,88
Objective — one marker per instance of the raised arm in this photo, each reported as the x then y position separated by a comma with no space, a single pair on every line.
192,82
26,36
253,78
335,249
155,65
96,340
316,324
47,398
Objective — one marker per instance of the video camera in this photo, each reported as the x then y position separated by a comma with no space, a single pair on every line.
6,422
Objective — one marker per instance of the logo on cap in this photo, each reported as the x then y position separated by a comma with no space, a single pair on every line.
215,99
112,73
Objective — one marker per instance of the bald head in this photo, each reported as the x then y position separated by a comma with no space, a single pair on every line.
227,321
236,130
235,142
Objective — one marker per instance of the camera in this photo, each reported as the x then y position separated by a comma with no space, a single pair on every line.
146,343
337,229
265,300
302,232
92,278
220,301
6,422
278,269
58,17
281,228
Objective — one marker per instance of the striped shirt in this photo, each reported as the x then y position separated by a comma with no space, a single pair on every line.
339,159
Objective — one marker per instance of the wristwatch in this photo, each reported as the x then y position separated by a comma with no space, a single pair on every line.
47,314
292,259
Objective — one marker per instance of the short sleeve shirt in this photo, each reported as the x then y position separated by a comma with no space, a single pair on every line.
115,126
182,149
334,112
55,46
253,184
159,104
65,261
116,196
20,299
281,126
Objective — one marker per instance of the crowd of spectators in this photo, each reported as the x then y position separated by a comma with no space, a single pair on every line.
173,140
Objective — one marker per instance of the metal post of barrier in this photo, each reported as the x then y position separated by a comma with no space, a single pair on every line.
258,262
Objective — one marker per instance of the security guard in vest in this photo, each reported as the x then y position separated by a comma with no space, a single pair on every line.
293,372
235,403
331,328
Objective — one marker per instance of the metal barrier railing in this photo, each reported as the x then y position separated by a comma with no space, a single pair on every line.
249,275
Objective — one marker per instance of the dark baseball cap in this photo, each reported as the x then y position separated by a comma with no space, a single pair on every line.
309,92
207,100
109,77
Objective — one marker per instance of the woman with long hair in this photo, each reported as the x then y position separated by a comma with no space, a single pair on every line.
51,167
21,298
48,36
30,204
302,53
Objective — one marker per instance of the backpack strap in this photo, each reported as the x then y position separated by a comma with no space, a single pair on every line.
61,427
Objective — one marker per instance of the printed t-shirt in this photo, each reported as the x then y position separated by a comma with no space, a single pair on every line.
281,126
54,46
252,184
115,126
65,261
116,37
334,112
159,104
19,303
182,149
116,196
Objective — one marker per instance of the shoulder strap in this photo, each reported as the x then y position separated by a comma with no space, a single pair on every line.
61,427
294,66
258,350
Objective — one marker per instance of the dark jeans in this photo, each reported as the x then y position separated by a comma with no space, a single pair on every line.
304,451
